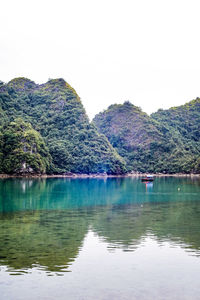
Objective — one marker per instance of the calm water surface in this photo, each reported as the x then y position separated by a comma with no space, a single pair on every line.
89,239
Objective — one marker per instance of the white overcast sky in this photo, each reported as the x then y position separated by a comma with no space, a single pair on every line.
144,51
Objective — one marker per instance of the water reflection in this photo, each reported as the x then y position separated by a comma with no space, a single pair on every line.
49,239
43,223
149,186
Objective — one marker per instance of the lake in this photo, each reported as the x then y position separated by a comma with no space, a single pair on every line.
90,239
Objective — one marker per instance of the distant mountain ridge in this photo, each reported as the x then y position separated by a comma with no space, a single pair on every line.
168,141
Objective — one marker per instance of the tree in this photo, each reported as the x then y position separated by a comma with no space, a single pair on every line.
24,150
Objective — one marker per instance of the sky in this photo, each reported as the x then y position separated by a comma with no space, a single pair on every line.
110,51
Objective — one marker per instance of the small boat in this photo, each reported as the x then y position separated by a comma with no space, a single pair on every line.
148,178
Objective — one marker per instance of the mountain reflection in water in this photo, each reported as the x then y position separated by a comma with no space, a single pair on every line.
43,222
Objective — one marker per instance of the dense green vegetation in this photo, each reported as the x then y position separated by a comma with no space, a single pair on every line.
44,129
167,141
180,127
56,112
134,135
23,149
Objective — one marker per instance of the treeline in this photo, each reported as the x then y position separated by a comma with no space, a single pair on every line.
45,129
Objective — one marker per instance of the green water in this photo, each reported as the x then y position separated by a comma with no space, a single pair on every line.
115,238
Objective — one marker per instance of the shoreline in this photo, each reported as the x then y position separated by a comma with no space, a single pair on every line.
78,176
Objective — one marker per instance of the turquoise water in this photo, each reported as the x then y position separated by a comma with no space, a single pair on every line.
115,238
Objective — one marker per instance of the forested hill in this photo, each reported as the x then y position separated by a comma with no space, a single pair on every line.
167,141
132,132
48,121
181,129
